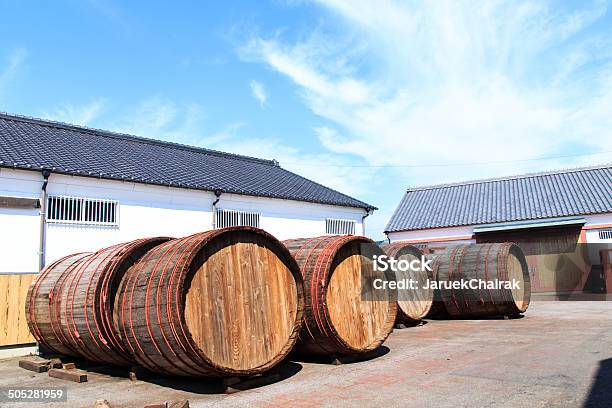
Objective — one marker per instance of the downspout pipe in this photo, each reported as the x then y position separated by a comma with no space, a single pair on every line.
214,207
43,212
367,214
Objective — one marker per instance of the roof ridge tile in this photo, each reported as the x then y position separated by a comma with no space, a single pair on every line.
512,177
129,137
34,144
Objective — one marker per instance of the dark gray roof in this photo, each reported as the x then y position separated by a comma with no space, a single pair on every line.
36,144
526,197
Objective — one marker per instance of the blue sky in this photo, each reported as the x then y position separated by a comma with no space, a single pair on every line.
365,97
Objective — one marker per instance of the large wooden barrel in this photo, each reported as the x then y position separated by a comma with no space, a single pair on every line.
338,319
437,310
217,303
413,304
74,298
43,307
503,262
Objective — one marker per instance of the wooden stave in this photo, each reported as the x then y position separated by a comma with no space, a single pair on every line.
86,317
395,250
42,301
487,261
437,310
462,303
57,282
171,337
319,337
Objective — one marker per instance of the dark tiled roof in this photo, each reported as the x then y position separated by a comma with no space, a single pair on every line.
35,144
527,197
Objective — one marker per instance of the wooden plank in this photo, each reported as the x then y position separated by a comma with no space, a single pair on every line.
13,323
178,404
36,366
23,332
18,202
12,320
70,375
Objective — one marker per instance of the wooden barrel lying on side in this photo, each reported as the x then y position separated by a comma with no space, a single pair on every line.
413,304
437,310
503,262
217,303
76,295
43,306
338,319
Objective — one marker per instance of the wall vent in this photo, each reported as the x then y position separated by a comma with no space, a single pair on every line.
605,234
339,227
82,211
235,218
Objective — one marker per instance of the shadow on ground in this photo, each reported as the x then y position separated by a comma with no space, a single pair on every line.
600,394
409,324
379,352
442,316
281,372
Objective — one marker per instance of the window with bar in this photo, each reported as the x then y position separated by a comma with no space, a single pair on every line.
339,227
83,211
235,218
605,234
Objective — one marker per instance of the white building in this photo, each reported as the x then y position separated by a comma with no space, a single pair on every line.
102,188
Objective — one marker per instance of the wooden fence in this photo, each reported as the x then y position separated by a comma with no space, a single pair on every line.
13,324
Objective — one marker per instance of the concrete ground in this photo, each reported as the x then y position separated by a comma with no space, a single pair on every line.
558,355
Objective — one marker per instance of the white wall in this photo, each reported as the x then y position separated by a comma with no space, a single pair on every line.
19,232
145,210
594,224
434,234
292,219
19,227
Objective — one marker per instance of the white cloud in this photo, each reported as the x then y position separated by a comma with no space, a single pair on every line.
150,117
162,118
78,115
14,62
447,82
321,167
259,92
229,132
